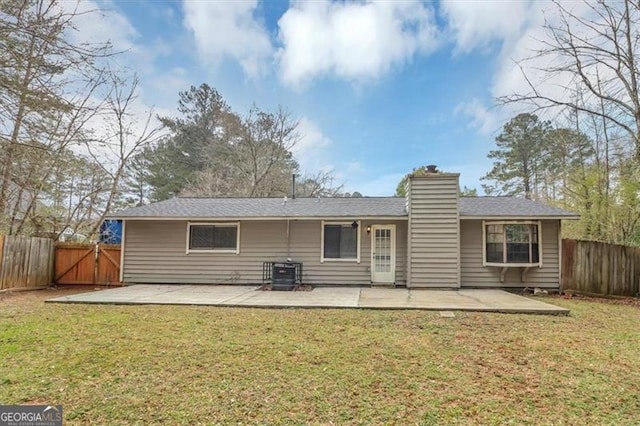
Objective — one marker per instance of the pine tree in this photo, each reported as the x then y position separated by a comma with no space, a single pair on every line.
517,166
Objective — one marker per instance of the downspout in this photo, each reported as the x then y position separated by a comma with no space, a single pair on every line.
288,238
560,272
409,233
122,242
293,197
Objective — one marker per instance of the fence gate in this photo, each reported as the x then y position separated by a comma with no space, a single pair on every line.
87,264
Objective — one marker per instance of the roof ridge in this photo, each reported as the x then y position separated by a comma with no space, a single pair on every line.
367,197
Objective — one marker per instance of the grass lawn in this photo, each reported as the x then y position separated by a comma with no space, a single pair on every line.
181,364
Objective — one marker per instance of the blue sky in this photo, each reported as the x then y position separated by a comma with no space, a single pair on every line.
379,88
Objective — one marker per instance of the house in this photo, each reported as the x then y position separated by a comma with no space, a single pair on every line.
431,239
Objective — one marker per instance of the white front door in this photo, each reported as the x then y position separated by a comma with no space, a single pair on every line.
383,254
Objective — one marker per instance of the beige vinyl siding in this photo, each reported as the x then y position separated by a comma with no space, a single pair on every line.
155,253
475,275
433,231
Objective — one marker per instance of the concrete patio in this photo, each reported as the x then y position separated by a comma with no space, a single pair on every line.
320,297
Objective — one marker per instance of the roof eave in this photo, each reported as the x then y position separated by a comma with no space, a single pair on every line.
258,218
527,217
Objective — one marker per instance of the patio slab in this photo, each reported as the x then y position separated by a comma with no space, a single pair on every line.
319,297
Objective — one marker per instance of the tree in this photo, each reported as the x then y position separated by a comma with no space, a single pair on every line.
590,54
354,194
49,91
320,184
401,188
253,159
595,57
468,192
212,151
625,211
565,152
136,178
518,156
69,200
123,137
174,163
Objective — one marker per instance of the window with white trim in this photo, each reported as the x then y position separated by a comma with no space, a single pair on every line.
512,243
341,241
213,237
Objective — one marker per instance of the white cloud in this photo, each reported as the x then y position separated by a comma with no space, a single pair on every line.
352,40
485,120
310,150
518,28
169,83
229,29
97,23
476,24
521,58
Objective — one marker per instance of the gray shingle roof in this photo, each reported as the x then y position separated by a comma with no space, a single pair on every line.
213,208
268,207
508,207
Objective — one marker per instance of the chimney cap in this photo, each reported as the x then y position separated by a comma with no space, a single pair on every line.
430,171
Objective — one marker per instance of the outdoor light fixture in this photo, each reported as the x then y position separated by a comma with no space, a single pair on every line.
354,225
368,229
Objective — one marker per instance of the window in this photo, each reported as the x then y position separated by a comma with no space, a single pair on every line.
209,237
340,241
513,243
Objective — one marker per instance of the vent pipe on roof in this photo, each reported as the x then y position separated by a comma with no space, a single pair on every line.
293,186
432,168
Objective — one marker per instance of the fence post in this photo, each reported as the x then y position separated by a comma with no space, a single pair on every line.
2,285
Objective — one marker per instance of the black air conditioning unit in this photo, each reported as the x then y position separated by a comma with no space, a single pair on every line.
283,276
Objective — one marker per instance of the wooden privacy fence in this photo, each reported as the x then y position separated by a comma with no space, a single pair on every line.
591,267
87,264
25,263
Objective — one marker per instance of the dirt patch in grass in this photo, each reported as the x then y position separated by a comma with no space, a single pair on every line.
184,364
18,300
626,301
